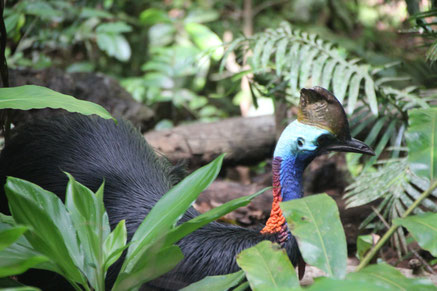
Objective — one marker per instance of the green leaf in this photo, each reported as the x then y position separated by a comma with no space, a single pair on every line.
295,58
152,16
159,221
205,39
327,73
423,228
369,89
386,276
37,97
305,68
149,268
257,51
19,256
354,89
217,283
267,267
330,284
422,142
115,45
51,229
187,227
10,235
91,227
315,222
340,87
115,244
113,27
267,52
317,70
280,55
364,243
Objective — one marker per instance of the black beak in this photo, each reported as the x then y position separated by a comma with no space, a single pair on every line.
352,145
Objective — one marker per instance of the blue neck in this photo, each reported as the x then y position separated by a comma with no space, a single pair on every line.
295,158
291,173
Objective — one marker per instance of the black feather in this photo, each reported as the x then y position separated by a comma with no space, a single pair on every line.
92,150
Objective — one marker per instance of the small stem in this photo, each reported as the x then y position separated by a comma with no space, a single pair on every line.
393,228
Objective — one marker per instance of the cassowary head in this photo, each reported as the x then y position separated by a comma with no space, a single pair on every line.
321,126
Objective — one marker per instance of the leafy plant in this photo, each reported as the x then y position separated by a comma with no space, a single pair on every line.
178,65
75,241
37,97
399,183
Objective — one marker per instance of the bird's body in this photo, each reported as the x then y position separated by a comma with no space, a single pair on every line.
92,150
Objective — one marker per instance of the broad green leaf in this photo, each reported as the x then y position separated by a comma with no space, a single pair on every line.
364,243
217,283
201,15
422,142
115,45
267,267
10,235
87,12
330,284
423,228
205,39
51,229
152,16
187,227
18,256
113,27
159,221
149,268
354,89
37,97
369,89
315,222
83,207
115,244
386,276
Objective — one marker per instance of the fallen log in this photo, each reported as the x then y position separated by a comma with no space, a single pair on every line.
246,141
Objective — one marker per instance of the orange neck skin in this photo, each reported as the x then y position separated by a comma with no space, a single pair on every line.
276,222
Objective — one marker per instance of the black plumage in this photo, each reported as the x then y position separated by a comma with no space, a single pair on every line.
92,150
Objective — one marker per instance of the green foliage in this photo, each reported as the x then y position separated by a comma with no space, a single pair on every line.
61,25
315,222
75,240
422,142
396,183
37,97
267,266
423,228
375,277
222,282
364,243
425,26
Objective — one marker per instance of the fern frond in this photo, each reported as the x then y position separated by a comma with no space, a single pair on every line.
397,187
303,60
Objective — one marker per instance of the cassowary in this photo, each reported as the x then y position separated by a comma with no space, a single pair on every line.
93,149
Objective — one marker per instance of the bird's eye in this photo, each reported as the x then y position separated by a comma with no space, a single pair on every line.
300,142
